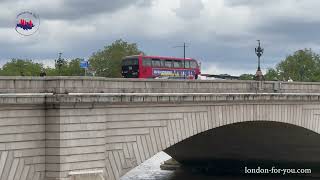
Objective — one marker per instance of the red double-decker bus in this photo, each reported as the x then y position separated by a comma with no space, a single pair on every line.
140,66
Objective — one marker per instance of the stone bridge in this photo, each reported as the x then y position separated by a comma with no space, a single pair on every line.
64,127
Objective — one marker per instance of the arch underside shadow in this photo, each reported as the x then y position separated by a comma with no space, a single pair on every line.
253,143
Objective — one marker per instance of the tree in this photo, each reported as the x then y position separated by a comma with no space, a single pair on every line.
107,62
20,67
68,68
247,77
51,71
73,68
271,75
303,65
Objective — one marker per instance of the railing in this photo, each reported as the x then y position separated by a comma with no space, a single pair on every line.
64,85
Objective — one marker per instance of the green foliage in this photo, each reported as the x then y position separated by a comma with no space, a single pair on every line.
271,75
74,68
51,71
71,68
107,63
247,77
19,67
303,65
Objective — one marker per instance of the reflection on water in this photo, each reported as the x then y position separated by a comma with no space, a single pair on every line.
150,170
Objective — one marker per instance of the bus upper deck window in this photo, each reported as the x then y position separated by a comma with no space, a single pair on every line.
187,64
135,62
162,63
168,63
130,62
156,63
177,64
146,62
193,64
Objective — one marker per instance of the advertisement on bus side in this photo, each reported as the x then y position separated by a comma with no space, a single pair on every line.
173,73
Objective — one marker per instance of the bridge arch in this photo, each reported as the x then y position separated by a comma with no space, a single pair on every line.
258,143
167,125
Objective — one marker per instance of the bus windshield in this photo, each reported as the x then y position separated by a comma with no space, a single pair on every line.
130,62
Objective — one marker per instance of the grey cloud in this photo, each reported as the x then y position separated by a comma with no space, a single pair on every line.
280,35
292,31
77,9
248,2
144,3
7,22
189,9
72,10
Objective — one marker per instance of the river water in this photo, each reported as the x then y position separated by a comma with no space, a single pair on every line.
150,170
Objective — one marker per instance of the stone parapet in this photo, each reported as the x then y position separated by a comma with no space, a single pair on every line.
64,85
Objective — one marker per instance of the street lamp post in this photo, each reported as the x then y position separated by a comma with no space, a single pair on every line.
259,52
59,63
184,56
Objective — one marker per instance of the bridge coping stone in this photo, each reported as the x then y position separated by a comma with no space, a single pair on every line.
63,85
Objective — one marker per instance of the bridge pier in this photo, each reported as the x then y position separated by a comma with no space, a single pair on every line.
75,141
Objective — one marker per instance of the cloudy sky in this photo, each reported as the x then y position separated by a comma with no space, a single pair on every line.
221,34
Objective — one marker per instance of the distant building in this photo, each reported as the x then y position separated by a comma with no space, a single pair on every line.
219,77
